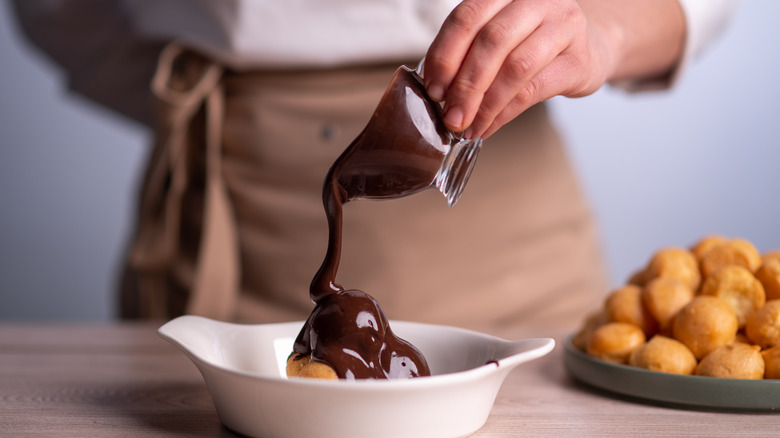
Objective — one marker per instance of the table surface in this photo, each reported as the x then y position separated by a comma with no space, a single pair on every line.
123,380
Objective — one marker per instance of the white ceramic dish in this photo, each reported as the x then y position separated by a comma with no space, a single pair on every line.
244,369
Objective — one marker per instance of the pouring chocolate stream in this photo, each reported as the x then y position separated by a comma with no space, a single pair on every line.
405,148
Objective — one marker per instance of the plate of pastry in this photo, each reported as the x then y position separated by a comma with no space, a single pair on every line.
677,390
696,326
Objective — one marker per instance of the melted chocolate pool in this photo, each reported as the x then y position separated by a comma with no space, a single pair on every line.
398,153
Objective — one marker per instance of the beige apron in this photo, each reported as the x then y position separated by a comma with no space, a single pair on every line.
231,223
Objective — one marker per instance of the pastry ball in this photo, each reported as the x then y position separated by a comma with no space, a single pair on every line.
733,361
731,252
705,244
770,255
625,305
638,277
592,322
664,297
665,355
742,337
299,365
295,363
771,363
615,341
705,324
769,276
739,288
318,370
763,326
677,263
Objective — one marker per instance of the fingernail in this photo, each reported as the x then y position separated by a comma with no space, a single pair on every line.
453,118
436,92
468,134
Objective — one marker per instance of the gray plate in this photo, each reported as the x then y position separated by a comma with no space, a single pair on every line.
689,391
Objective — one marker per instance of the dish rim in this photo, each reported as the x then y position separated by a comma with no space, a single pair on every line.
546,345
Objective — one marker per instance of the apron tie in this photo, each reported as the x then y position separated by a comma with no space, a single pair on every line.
184,85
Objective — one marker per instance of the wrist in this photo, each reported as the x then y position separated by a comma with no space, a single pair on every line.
641,39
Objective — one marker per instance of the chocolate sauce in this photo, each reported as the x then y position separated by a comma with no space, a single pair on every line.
350,332
399,153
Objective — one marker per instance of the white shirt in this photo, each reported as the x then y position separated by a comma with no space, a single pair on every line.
251,34
92,40
261,34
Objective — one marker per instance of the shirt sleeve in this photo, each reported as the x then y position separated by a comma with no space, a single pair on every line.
705,21
92,43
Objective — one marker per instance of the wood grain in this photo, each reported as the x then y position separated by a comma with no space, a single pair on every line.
100,381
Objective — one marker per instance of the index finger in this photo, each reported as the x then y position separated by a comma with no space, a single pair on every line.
452,43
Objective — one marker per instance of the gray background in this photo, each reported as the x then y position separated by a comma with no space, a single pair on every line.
660,169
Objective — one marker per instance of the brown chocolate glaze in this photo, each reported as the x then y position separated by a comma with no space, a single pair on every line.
350,332
397,154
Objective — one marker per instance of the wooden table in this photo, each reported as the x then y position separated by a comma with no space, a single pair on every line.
123,380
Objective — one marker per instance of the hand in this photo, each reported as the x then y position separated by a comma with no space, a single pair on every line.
493,59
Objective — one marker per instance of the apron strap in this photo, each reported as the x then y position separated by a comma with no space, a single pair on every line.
215,291
184,86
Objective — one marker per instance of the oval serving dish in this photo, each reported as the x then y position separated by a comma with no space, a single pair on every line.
244,369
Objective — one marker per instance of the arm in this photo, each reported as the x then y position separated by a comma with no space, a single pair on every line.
493,59
96,47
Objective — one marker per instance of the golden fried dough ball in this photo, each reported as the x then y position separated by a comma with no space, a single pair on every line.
592,322
771,255
771,363
763,326
705,324
615,341
664,297
705,244
664,354
731,252
742,337
296,362
638,277
625,305
733,361
318,370
738,288
769,276
677,263
301,365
